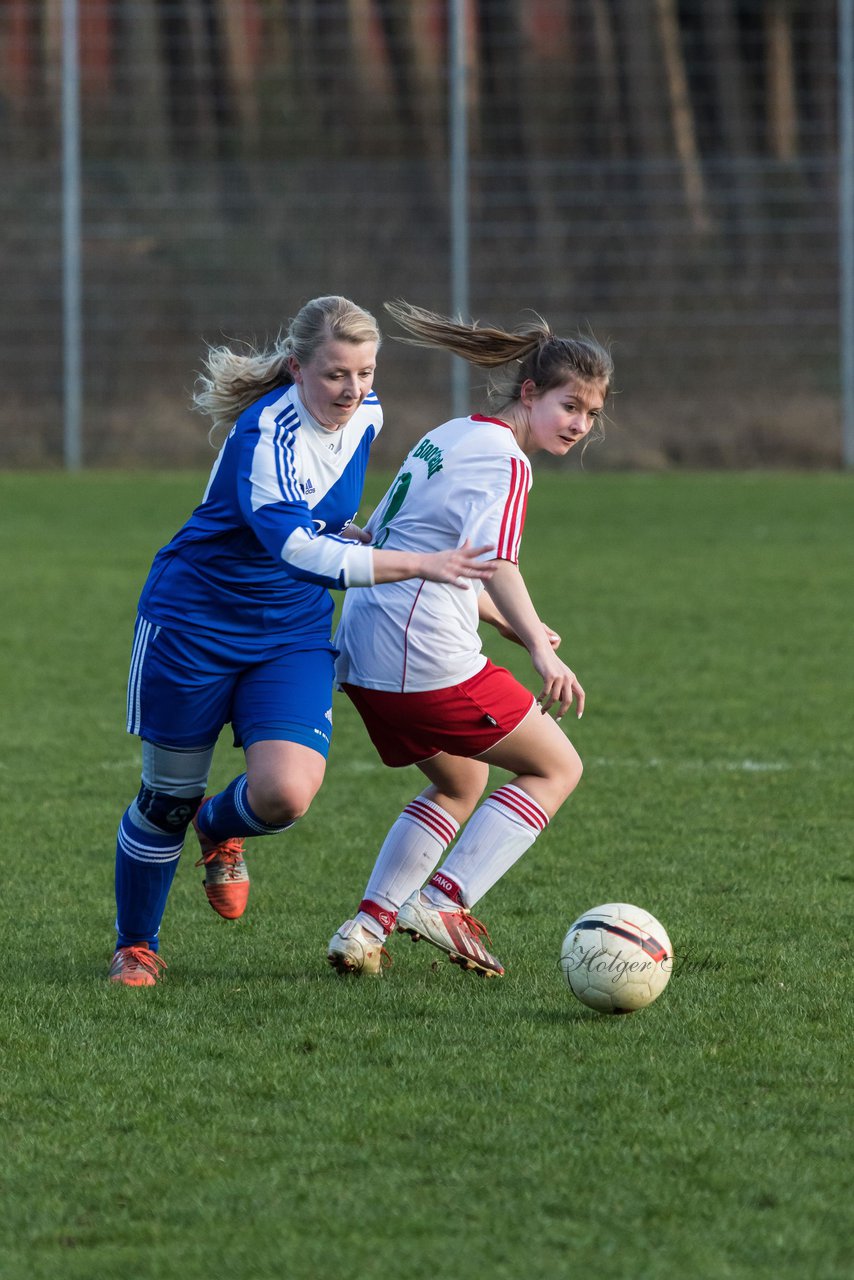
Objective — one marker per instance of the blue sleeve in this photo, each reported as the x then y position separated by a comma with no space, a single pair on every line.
271,503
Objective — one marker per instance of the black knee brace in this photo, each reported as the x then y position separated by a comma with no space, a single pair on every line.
172,814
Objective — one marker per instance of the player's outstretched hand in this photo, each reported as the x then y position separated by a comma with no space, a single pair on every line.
561,687
457,566
353,533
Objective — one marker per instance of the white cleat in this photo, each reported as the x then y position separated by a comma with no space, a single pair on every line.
354,949
453,930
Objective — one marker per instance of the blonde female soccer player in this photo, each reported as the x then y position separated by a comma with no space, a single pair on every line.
234,618
411,659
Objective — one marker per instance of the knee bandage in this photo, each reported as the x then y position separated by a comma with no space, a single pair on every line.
173,784
167,813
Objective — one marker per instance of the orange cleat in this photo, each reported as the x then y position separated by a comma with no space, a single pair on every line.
136,966
226,876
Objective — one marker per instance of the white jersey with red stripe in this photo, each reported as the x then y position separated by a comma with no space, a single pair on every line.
466,479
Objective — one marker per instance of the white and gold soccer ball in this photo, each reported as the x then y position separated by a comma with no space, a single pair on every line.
616,958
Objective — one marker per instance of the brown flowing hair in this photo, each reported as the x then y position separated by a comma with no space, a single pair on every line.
541,355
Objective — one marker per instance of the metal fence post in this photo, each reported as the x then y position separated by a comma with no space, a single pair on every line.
846,224
458,124
72,382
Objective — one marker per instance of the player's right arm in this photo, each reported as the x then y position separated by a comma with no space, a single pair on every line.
489,612
509,593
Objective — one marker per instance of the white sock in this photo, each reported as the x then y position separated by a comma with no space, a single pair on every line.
409,853
498,833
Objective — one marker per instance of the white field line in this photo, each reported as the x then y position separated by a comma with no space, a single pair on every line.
653,762
593,762
699,766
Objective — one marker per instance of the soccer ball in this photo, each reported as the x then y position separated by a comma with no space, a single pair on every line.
616,958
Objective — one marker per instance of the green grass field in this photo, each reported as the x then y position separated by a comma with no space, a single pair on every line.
256,1116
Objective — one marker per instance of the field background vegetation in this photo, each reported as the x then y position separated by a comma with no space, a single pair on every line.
256,1116
665,172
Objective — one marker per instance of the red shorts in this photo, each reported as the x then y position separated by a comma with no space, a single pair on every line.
464,720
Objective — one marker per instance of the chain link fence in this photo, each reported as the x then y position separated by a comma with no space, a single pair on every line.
662,172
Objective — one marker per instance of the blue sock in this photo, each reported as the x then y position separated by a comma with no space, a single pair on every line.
146,862
229,814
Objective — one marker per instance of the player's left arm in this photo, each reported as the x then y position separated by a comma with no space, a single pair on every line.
272,504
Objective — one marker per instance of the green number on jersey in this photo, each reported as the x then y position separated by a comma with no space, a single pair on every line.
395,502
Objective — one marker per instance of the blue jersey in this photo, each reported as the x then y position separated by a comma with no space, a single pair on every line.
257,555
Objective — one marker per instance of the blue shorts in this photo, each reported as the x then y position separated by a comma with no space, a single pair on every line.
185,686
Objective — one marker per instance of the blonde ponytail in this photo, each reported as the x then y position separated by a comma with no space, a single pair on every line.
231,382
